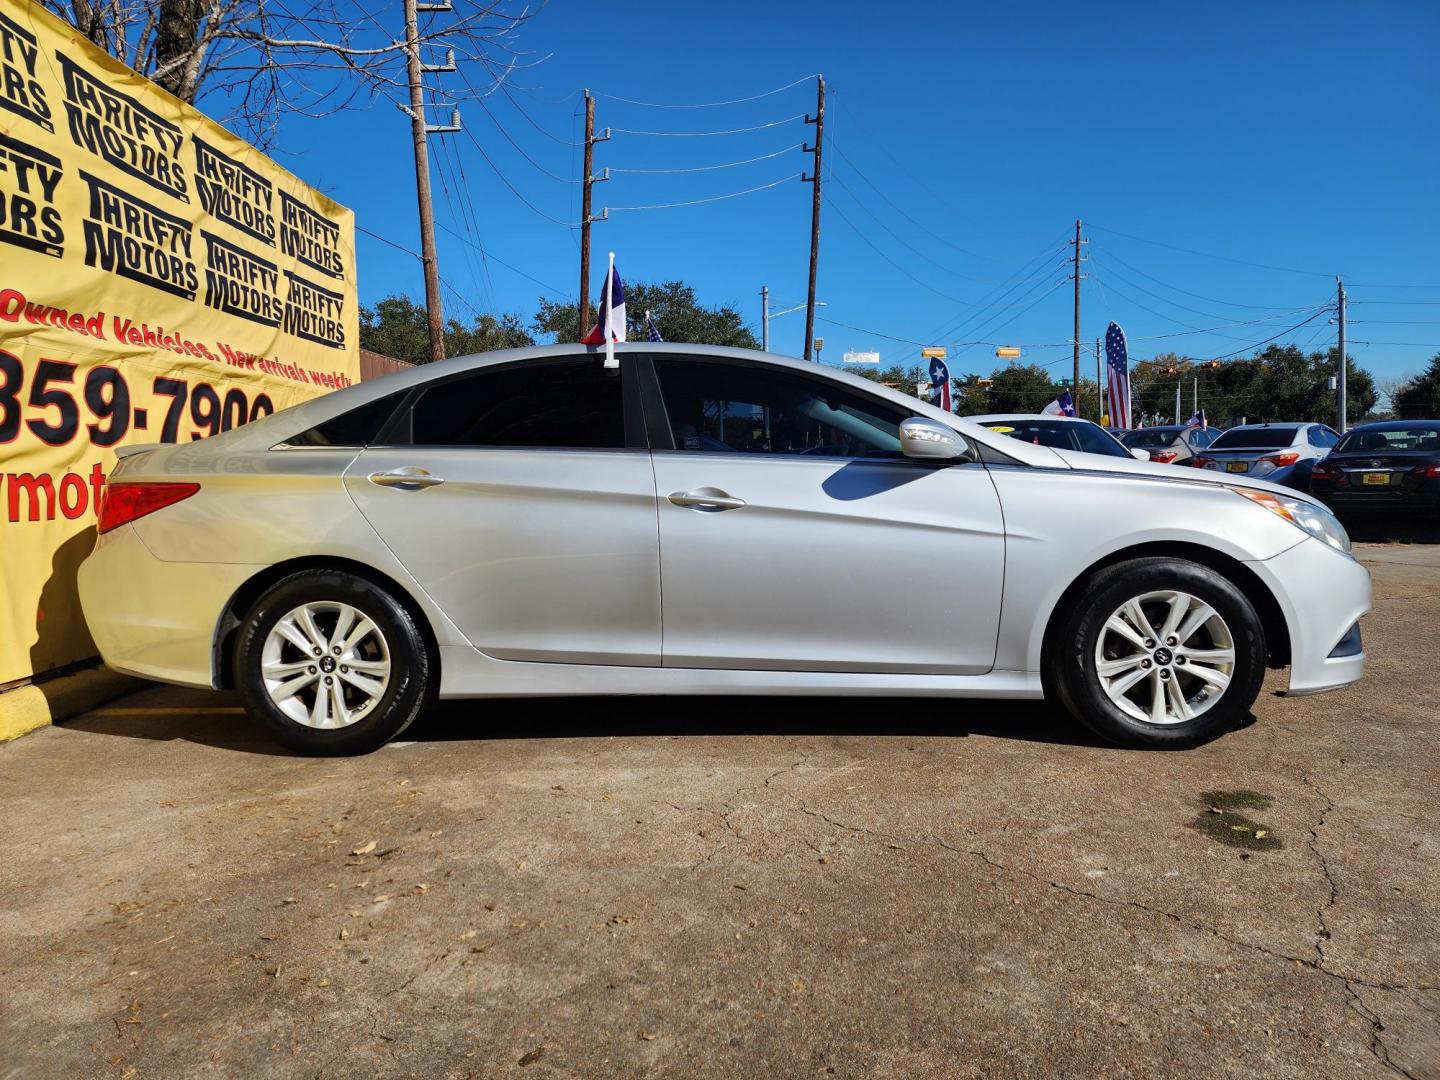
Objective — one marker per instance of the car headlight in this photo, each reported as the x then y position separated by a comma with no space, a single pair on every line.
1315,520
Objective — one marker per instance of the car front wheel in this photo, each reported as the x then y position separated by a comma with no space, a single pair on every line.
1159,653
331,664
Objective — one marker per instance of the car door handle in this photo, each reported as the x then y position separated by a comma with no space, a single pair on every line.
411,477
706,498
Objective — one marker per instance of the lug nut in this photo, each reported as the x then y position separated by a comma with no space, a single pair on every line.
328,680
1145,663
312,669
337,650
318,652
344,670
1172,640
1179,660
1164,673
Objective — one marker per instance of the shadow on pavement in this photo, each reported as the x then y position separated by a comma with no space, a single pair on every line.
214,720
1392,529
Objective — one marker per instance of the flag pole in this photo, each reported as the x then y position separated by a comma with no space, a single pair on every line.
610,361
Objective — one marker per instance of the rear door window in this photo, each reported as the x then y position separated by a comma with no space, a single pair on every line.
553,404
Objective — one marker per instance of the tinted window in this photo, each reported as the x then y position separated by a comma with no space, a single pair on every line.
1425,440
1268,438
1148,438
743,408
573,404
1202,437
358,427
1062,435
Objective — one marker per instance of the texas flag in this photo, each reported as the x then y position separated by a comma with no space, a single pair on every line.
610,324
1064,405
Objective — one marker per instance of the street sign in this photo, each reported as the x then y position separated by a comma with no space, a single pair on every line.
1007,351
934,353
862,358
819,343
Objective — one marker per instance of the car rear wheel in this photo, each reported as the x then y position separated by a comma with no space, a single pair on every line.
1159,653
331,664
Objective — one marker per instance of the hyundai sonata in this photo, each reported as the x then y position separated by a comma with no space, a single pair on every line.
700,521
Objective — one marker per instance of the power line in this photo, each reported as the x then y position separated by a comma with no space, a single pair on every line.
1320,311
709,104
1209,255
901,240
711,168
700,134
513,189
711,199
513,269
1175,288
919,281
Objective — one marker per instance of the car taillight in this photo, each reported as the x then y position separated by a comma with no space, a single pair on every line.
1164,457
1280,460
122,503
1202,462
1328,472
1426,472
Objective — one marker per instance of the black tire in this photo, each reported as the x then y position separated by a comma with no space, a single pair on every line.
1071,661
391,712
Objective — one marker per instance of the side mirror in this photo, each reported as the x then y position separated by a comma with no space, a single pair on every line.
1140,455
925,441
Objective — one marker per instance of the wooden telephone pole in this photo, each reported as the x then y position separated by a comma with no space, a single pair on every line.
1341,404
420,131
588,181
819,121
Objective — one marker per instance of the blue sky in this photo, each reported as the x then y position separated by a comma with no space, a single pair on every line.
1302,136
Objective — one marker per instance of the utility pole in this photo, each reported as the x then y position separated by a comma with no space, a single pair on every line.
1076,338
1340,402
419,131
819,121
765,318
1099,388
588,181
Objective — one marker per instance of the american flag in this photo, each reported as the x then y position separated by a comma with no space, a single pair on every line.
652,332
1117,377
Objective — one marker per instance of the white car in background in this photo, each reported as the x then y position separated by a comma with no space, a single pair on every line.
702,521
1059,432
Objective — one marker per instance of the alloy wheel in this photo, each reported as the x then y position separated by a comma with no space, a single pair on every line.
1165,657
325,664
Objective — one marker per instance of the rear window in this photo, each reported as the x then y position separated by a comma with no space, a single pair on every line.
1147,439
358,427
1391,440
1061,435
1267,438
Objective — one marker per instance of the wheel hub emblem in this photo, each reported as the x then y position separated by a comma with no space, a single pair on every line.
1163,657
327,664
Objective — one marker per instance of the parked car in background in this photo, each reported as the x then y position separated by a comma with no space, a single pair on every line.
1057,432
528,523
1279,453
1384,467
1170,444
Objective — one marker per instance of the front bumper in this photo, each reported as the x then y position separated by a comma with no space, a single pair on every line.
152,618
1322,595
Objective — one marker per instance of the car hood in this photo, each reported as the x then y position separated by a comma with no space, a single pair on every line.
1153,470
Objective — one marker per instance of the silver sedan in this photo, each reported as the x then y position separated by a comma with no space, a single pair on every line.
701,521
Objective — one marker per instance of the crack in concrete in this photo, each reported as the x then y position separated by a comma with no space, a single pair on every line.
1322,932
1194,924
1378,1048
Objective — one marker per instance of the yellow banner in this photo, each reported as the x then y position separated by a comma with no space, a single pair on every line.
160,281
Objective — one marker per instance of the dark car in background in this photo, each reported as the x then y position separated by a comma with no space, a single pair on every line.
1388,466
1279,453
1170,444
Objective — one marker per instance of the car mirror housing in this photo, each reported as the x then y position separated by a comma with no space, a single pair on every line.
926,441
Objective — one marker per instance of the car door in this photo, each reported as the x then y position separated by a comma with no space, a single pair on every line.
519,499
794,536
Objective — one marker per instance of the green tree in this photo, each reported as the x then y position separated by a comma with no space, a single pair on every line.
397,326
1419,399
1021,388
678,315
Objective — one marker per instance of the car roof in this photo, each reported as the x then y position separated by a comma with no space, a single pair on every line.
1404,425
992,418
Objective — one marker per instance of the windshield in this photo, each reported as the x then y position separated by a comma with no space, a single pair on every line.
1388,440
1061,435
1258,438
1148,438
